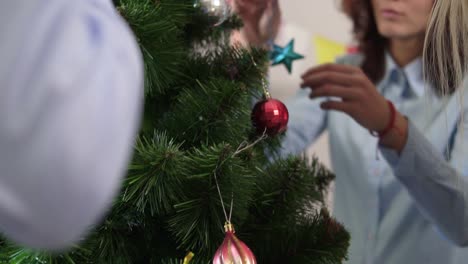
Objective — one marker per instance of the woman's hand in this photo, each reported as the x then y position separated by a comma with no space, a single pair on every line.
251,10
261,19
359,99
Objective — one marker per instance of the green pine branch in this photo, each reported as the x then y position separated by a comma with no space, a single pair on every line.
209,113
198,221
13,254
155,177
159,28
287,187
314,240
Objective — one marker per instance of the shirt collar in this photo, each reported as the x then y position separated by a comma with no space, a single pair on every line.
413,72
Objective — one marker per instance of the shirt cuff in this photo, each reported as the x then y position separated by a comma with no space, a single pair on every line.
402,163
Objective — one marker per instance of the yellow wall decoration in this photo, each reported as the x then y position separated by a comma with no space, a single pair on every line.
327,50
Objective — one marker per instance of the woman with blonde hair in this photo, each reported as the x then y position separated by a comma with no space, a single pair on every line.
400,99
446,46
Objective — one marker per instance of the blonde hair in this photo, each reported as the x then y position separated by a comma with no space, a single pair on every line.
446,46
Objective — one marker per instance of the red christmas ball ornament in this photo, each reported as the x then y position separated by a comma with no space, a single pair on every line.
233,251
270,116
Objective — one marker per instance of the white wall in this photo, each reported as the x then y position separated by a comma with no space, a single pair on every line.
302,20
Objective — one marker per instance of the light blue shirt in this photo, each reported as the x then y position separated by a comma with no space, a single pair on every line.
408,208
71,92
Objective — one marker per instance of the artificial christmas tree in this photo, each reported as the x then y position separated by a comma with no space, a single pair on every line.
198,152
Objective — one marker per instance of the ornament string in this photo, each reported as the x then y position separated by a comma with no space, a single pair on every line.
263,78
228,219
265,88
242,147
245,146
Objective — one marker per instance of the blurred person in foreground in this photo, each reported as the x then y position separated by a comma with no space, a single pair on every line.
71,84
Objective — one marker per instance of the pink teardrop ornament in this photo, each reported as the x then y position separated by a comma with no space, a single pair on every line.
233,251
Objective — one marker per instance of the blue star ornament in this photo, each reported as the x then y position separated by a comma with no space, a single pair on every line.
284,55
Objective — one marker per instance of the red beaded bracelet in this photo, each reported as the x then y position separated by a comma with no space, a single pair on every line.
390,125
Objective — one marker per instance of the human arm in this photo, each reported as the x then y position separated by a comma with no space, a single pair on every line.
437,186
71,85
262,19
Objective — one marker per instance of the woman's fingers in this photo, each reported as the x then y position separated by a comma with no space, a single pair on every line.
327,77
344,107
331,67
345,93
360,98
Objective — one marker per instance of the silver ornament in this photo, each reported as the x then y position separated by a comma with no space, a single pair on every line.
219,10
